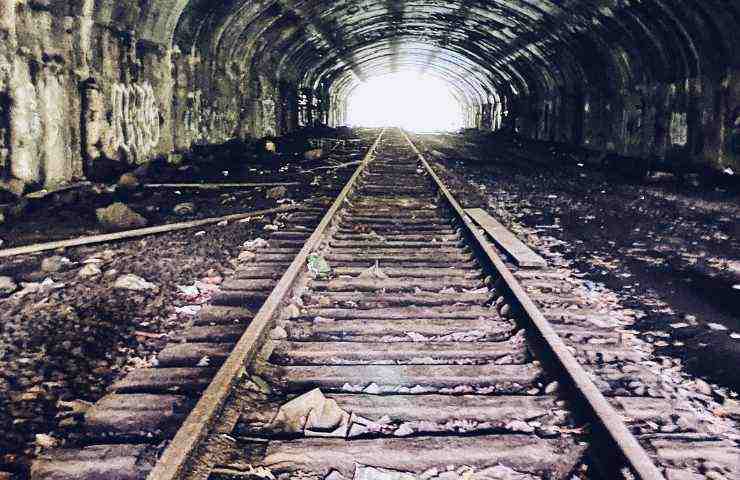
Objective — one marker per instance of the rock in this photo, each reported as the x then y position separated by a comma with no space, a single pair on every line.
46,441
185,208
403,431
366,472
732,407
14,186
278,333
54,264
133,282
312,412
703,387
270,146
128,181
7,286
256,244
552,387
315,154
276,193
89,270
119,217
175,159
500,472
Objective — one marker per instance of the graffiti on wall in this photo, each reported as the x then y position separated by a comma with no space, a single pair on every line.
135,120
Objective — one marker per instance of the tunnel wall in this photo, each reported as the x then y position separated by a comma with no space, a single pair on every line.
695,122
75,95
85,98
658,81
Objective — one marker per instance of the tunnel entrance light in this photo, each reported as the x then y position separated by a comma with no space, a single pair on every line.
408,100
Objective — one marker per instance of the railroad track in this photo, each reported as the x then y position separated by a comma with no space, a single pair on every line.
409,348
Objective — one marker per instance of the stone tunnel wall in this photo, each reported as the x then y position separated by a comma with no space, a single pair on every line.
695,122
74,94
78,98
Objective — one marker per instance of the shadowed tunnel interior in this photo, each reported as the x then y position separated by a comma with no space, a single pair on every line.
147,147
87,81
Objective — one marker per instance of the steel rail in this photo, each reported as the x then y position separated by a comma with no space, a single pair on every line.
178,454
630,449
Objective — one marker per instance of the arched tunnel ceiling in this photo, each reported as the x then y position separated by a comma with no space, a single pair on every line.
491,44
481,48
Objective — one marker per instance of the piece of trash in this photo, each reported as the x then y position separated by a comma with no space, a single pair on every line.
374,272
204,362
134,282
313,415
318,266
271,228
189,310
729,171
222,223
188,290
199,233
255,244
716,326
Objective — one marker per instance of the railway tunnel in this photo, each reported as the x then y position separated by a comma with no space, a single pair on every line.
85,81
163,163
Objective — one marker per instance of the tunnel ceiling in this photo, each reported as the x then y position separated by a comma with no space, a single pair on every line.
481,48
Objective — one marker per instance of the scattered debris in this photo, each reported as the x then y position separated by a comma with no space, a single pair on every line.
185,208
45,441
134,282
318,266
89,270
315,154
276,193
256,244
55,264
313,415
374,272
278,333
7,286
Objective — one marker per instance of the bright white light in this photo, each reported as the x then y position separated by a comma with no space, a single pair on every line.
406,100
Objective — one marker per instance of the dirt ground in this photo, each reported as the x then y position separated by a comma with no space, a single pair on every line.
671,249
65,343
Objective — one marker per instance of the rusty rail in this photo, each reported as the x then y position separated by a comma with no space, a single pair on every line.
202,417
602,412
